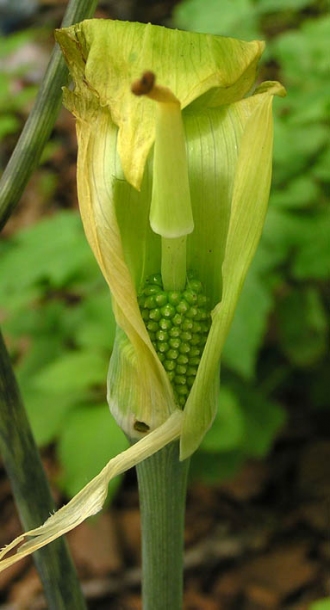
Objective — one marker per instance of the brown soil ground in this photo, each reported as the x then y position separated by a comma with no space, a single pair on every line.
257,542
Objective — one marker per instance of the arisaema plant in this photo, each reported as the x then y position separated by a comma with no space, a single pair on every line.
174,170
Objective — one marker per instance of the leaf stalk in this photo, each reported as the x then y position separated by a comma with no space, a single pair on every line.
162,480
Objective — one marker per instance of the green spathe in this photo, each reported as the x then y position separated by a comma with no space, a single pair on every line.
228,141
112,54
229,151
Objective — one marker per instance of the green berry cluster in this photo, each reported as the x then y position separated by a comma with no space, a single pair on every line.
178,324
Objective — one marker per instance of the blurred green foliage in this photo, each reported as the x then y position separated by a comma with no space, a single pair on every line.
322,604
58,321
56,308
13,99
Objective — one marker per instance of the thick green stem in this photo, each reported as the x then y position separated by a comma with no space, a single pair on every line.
162,482
32,494
174,263
41,120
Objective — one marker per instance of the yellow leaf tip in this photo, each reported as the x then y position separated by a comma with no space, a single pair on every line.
272,88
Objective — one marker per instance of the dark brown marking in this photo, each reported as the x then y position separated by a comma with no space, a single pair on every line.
140,426
144,85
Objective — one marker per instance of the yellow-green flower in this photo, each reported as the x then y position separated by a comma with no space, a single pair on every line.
173,187
203,188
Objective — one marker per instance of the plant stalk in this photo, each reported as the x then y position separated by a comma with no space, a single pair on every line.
162,480
32,493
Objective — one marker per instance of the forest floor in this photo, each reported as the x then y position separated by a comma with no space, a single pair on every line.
260,541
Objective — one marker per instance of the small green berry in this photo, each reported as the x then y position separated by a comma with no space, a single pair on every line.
168,311
174,298
161,299
162,335
165,324
184,348
162,347
150,302
178,324
153,289
177,320
182,307
152,326
154,314
169,365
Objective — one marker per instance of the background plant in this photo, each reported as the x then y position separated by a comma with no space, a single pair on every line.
13,100
57,320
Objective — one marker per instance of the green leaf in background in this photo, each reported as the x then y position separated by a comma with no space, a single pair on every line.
215,467
296,146
73,372
59,325
303,52
47,413
321,169
10,44
91,437
245,427
263,420
236,18
303,326
58,387
322,604
246,423
8,123
97,324
312,260
249,324
275,6
302,192
13,106
300,241
228,428
54,250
